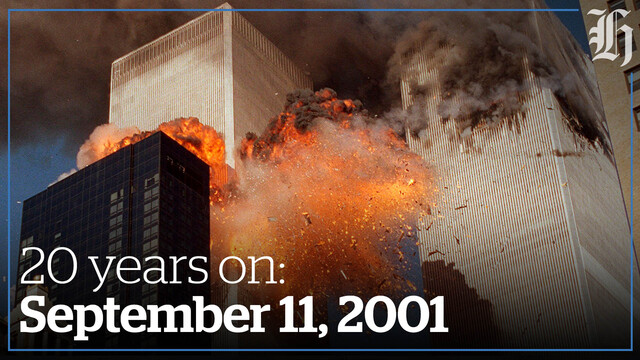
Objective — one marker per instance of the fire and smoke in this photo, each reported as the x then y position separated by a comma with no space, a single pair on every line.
328,193
200,139
337,198
482,64
350,52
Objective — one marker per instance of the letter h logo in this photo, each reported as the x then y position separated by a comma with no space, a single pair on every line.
605,38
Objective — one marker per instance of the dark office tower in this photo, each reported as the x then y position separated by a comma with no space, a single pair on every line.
147,199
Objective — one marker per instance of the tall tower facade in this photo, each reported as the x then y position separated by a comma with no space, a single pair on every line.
217,67
532,218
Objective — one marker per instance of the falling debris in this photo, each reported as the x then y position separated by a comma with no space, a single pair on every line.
429,227
345,276
435,252
323,160
307,218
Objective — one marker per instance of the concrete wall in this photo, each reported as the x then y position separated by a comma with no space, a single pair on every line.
518,207
174,76
217,67
262,77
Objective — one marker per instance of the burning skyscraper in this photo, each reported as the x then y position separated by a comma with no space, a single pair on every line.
217,67
529,208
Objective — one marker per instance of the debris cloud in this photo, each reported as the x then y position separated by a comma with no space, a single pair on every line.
326,190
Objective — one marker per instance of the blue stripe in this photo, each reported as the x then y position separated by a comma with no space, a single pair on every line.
9,179
315,350
318,10
632,203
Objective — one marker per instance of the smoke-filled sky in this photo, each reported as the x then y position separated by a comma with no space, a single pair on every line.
60,67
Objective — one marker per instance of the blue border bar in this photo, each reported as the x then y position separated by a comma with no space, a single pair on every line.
9,180
9,11
314,350
320,10
631,198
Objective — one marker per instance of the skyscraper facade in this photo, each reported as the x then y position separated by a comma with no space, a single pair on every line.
615,88
528,215
147,199
217,67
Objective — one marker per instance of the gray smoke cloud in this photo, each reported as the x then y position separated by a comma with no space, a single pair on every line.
61,60
60,66
482,75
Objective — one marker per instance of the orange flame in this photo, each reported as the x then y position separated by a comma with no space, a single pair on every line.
200,139
333,198
322,190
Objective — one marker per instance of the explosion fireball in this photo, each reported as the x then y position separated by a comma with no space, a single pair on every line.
324,190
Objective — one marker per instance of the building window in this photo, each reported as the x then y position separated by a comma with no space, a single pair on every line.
150,206
115,248
111,275
116,208
115,233
26,242
150,232
636,78
150,245
151,218
622,48
117,195
112,288
151,192
636,117
151,181
21,268
115,221
616,4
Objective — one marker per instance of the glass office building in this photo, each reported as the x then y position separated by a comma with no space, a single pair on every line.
147,199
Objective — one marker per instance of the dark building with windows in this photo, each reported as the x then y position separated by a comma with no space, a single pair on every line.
147,199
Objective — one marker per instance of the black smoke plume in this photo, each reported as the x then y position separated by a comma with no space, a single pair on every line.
61,60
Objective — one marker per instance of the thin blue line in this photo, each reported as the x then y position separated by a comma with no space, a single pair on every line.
318,350
631,207
9,179
318,10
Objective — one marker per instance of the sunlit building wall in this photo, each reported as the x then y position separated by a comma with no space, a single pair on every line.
533,219
217,67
